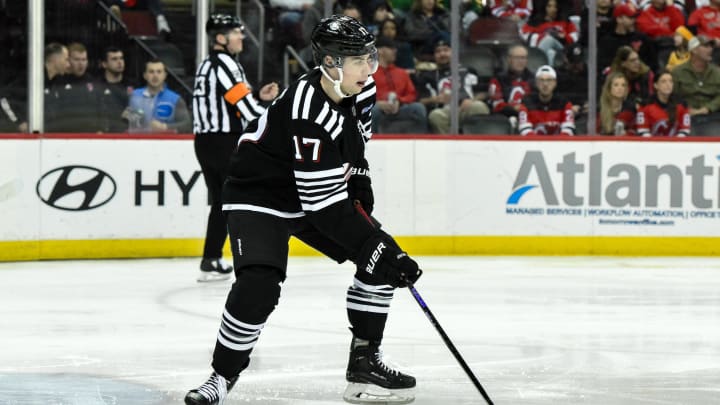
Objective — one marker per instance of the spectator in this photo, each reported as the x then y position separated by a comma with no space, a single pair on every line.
678,4
625,35
680,54
114,89
435,89
617,113
508,89
660,20
405,59
81,110
156,108
544,114
640,77
663,115
426,20
290,14
706,20
12,114
605,22
380,12
549,31
154,6
353,11
515,10
697,81
57,64
396,95
573,78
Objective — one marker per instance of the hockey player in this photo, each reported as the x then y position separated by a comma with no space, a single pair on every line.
297,171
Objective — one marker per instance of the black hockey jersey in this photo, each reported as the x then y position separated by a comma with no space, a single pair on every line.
294,161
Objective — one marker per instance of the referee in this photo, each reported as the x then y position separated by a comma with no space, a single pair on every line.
223,105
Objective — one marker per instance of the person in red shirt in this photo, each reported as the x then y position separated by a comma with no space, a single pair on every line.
664,115
395,94
515,10
659,20
706,20
544,114
550,31
617,113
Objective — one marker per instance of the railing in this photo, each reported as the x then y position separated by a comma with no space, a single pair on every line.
259,40
290,51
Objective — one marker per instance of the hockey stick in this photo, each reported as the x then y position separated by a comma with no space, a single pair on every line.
436,324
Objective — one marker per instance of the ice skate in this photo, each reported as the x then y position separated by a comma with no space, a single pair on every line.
371,381
214,270
212,392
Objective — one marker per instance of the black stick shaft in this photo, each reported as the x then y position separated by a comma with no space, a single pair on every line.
449,344
436,325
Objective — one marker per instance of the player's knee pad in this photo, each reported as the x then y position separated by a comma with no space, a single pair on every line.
255,293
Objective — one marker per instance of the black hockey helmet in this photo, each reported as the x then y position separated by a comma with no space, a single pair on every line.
339,36
222,23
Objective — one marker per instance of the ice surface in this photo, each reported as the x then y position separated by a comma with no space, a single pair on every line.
536,331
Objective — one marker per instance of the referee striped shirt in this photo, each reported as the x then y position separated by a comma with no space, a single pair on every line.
222,98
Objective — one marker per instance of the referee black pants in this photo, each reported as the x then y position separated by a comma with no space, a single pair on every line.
213,151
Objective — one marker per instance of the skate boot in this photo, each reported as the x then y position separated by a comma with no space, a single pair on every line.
370,381
212,392
214,270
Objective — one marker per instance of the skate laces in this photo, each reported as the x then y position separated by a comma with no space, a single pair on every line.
222,264
381,362
215,388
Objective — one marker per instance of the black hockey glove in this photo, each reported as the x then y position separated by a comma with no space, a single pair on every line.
360,188
381,257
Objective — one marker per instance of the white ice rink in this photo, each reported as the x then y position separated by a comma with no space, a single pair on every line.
540,331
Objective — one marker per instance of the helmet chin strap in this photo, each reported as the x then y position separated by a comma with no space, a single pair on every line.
336,83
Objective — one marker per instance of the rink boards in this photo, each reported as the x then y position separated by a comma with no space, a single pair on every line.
88,196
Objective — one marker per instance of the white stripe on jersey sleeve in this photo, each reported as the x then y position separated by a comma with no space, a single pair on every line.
320,174
306,107
296,100
365,94
323,113
225,80
319,189
229,64
325,203
338,128
330,124
212,100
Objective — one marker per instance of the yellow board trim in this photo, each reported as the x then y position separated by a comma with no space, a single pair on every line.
416,245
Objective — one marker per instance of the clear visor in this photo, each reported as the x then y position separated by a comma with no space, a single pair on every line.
358,62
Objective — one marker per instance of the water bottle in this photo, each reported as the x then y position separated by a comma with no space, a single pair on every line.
619,128
392,97
135,119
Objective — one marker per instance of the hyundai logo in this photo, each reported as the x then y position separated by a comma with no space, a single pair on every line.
76,188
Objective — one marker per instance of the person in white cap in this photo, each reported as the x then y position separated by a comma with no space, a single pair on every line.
541,112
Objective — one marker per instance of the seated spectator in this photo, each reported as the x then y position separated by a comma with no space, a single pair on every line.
154,6
508,89
290,13
380,12
680,54
81,109
12,113
426,20
549,31
515,10
706,20
405,59
663,115
625,34
573,78
659,21
57,65
156,108
114,89
544,114
436,88
396,95
678,4
617,113
605,22
353,11
640,77
697,81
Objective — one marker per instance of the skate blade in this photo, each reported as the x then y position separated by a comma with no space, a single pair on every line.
210,276
358,393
